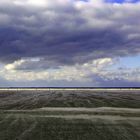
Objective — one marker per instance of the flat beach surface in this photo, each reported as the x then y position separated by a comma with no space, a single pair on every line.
69,114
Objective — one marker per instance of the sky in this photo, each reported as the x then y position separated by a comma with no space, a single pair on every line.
82,43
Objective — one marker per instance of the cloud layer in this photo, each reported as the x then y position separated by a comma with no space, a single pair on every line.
54,39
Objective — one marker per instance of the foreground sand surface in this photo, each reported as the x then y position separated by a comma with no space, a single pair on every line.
69,115
32,99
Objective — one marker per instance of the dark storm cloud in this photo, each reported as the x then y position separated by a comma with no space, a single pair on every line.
63,48
67,32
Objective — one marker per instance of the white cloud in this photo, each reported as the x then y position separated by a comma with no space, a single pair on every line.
87,72
14,65
123,74
68,73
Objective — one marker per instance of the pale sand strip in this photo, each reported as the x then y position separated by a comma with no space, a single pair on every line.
68,89
90,117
